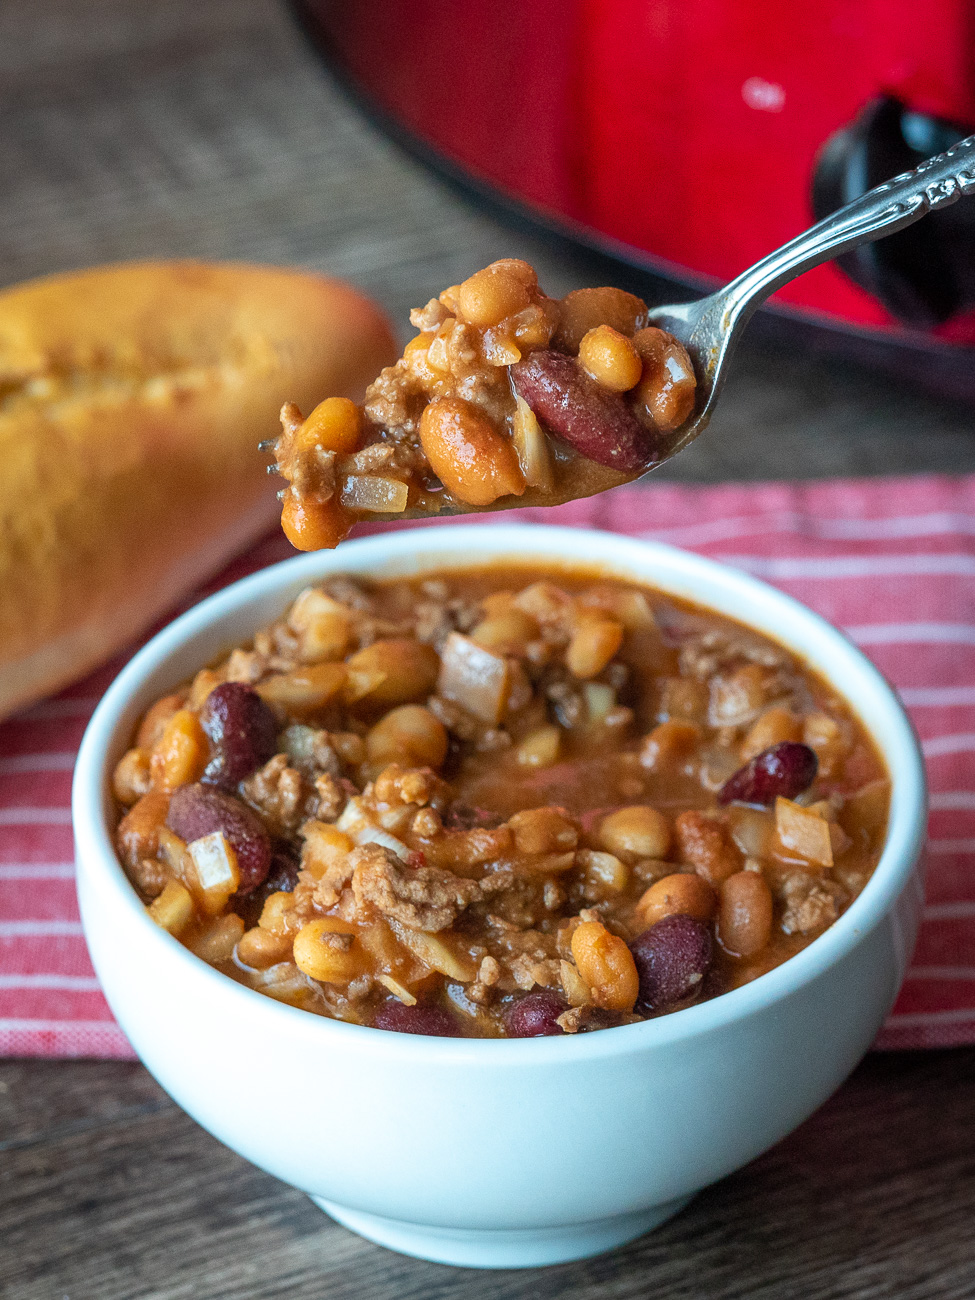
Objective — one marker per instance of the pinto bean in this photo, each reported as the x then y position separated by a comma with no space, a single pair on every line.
597,423
745,913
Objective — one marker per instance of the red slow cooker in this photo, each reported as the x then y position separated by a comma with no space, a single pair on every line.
687,138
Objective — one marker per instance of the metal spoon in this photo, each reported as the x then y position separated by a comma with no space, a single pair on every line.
710,327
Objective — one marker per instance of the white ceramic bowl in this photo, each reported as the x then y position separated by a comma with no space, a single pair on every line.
500,1152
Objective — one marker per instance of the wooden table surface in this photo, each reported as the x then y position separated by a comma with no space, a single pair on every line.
209,130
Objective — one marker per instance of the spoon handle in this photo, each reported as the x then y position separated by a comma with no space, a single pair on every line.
935,183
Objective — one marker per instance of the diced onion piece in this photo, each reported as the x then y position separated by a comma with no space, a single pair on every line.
376,835
573,985
385,496
803,832
474,678
531,447
325,846
599,700
173,909
752,830
540,748
433,952
217,874
398,990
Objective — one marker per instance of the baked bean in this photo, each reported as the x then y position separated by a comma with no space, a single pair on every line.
474,463
311,525
507,633
702,844
261,949
154,723
744,913
594,643
328,950
181,754
583,310
535,1015
410,735
671,959
607,966
334,425
773,726
132,777
669,742
242,731
668,387
323,624
303,690
218,940
636,832
173,909
489,296
597,423
684,893
543,830
603,874
611,359
137,836
391,672
540,748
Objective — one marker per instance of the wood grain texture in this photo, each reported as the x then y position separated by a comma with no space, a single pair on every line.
208,130
109,1192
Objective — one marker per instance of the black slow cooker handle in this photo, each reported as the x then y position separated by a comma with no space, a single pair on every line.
924,274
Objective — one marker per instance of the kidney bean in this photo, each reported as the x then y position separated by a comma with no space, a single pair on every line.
784,769
242,730
534,1015
423,1018
672,958
197,810
596,422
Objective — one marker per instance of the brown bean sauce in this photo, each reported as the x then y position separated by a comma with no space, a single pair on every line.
500,802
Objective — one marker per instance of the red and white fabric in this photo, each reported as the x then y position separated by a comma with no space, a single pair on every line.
891,562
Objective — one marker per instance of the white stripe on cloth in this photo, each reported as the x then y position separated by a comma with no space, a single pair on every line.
36,871
936,697
935,524
963,910
941,973
912,634
31,929
62,983
952,801
922,1019
940,746
55,761
830,567
35,816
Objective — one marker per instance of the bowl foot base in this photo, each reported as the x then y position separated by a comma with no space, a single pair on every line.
502,1248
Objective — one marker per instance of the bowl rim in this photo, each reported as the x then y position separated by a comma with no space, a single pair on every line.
465,546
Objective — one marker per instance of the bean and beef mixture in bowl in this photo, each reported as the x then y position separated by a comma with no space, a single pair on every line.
505,397
499,802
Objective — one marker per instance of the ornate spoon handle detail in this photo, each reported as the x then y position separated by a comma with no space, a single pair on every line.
710,327
935,183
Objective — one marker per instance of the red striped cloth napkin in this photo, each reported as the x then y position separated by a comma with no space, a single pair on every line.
890,561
